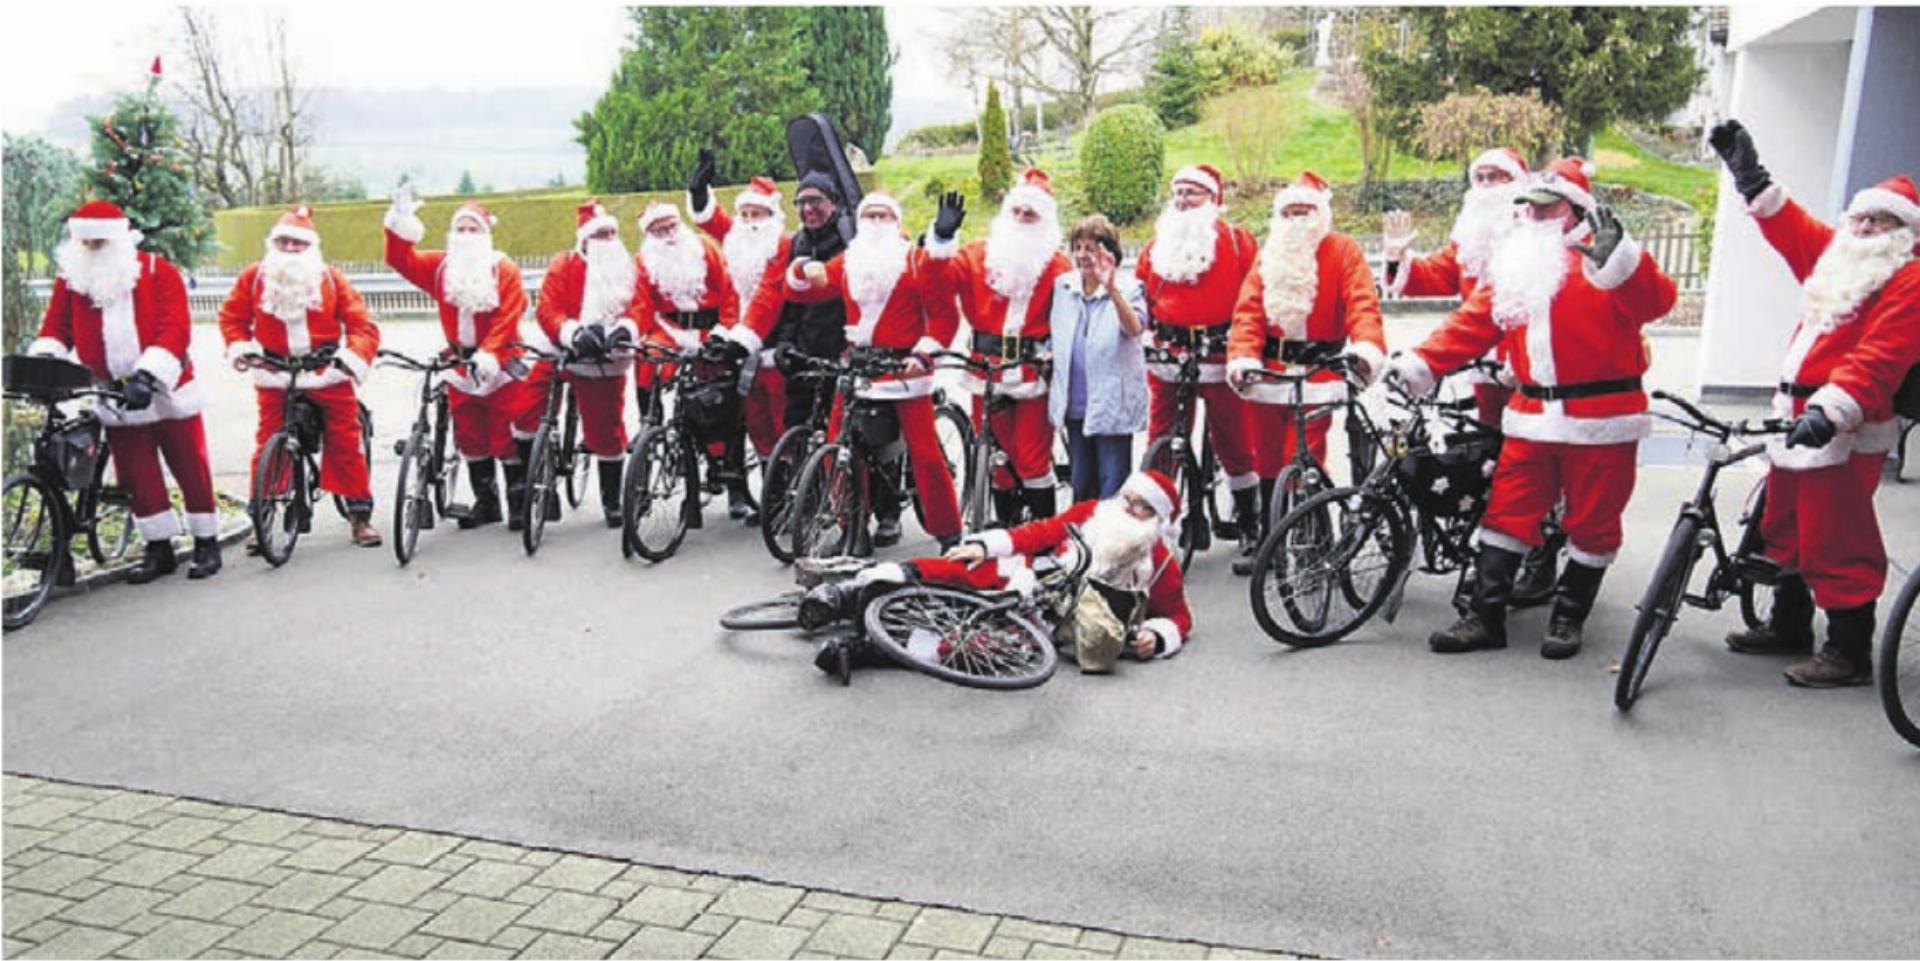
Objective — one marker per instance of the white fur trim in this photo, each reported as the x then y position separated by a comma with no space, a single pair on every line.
120,336
1556,427
796,274
1414,371
600,221
743,335
703,214
163,365
880,200
1043,203
1500,158
1017,574
1213,373
1288,196
1768,202
926,345
1488,537
1311,393
1168,632
1149,490
243,348
485,366
1015,389
356,365
297,233
1396,285
1373,357
519,434
97,228
1199,178
896,388
407,228
49,347
1574,553
1872,438
1876,198
1619,267
569,329
942,249
1839,405
163,526
203,525
998,542
1237,364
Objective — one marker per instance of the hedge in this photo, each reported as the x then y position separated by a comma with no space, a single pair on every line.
1122,161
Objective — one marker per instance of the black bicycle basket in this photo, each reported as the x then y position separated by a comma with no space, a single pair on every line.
73,451
46,378
1454,481
712,407
876,428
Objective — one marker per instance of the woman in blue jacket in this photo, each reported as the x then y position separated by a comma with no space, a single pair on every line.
1099,389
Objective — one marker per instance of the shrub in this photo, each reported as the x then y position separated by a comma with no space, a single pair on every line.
1232,57
1461,125
996,157
1122,161
1252,124
1177,85
940,136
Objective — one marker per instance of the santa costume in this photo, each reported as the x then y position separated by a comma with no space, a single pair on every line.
123,314
1571,331
811,323
290,306
750,245
1005,289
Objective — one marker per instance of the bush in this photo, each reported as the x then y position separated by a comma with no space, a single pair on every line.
1462,125
1232,57
1122,161
1176,85
941,136
996,157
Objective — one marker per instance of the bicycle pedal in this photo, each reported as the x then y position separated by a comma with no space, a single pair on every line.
399,448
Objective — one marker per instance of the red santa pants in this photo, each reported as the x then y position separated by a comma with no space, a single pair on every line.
939,506
343,465
765,408
484,426
136,465
1024,430
1226,424
1490,402
1822,523
1274,440
945,573
1596,479
602,402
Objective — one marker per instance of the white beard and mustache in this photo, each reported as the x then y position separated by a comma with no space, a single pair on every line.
467,279
104,275
609,284
1851,269
1017,254
748,248
677,267
1185,242
290,284
874,262
1290,269
1487,215
1527,270
1121,545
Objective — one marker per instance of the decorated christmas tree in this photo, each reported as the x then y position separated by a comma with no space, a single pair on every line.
139,164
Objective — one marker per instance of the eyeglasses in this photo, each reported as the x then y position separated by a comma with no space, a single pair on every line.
812,202
1877,219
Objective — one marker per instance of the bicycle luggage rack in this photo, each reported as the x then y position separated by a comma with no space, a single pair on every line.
44,378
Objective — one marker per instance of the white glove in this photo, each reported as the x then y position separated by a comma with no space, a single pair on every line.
403,203
1363,365
1397,230
1406,367
483,367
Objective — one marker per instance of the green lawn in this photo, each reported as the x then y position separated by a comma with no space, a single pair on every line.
1618,160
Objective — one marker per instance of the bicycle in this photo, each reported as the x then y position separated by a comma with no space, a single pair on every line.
1741,574
1203,518
998,640
429,466
1899,675
1304,476
984,454
553,464
661,485
69,457
286,471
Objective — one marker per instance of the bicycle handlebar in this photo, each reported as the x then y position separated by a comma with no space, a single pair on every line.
1707,424
986,365
440,362
312,363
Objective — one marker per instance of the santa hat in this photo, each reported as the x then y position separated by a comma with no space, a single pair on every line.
591,218
1503,158
1564,179
1308,188
472,210
98,220
1158,490
1895,195
657,212
1204,176
1034,190
296,223
760,192
880,199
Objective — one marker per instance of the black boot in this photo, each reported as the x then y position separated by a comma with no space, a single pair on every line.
610,471
828,603
1041,503
1484,626
1845,660
206,558
156,563
1789,626
1006,507
1253,533
1246,513
1536,584
486,495
1572,602
886,531
516,493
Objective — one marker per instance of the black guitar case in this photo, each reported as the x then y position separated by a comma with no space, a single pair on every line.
814,146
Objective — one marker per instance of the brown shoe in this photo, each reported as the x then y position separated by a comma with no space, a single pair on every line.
363,533
1830,668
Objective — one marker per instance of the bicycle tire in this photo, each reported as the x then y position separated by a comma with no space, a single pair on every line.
542,484
1178,467
828,495
954,430
1756,608
776,614
1001,649
446,459
654,472
1364,517
1304,535
366,453
578,463
113,512
279,497
1659,608
411,497
1898,634
37,540
782,469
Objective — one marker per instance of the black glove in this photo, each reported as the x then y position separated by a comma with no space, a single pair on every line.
1735,146
697,188
319,360
137,393
620,337
787,359
1607,234
1813,429
953,210
590,341
722,350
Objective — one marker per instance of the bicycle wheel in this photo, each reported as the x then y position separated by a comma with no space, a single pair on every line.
575,457
955,432
969,639
653,504
542,485
1179,468
366,453
279,498
1899,678
828,507
112,531
776,491
36,547
445,459
1756,600
780,613
1335,547
412,497
1659,607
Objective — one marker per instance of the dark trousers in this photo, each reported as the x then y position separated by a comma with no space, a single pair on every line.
1100,462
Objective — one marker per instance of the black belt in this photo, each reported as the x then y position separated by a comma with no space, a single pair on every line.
1301,351
1592,388
1792,389
697,319
1211,340
1014,347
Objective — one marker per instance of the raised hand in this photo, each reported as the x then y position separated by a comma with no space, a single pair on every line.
953,210
1103,266
1735,146
1397,233
700,186
1607,234
404,204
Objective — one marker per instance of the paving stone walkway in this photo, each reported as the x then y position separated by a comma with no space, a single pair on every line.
94,872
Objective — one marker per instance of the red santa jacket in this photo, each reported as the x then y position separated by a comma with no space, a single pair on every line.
1206,302
1438,274
1851,364
762,294
654,312
960,272
148,330
1158,576
1589,334
911,318
489,332
1345,308
562,292
341,321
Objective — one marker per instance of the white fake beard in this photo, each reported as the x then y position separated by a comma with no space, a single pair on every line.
1017,254
104,275
1290,269
1527,270
748,247
1184,243
1851,269
1119,542
875,260
609,285
290,283
467,280
677,267
1487,215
